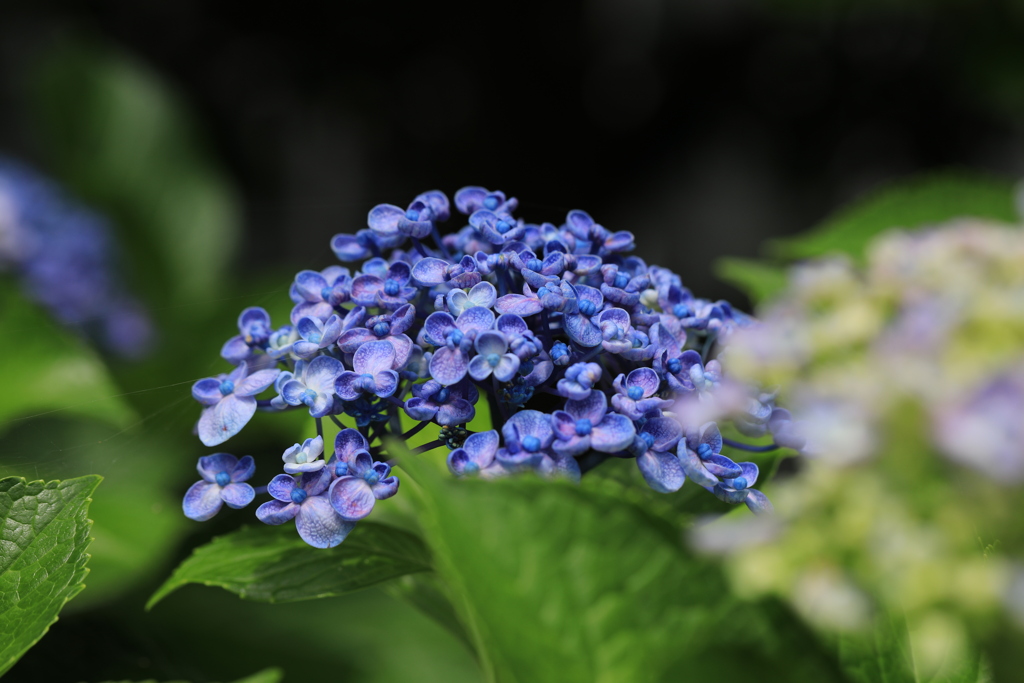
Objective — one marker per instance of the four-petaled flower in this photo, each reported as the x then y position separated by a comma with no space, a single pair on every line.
586,424
304,500
476,457
229,401
354,495
373,373
223,481
635,393
304,457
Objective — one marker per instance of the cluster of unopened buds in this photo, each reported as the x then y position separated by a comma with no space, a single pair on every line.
546,322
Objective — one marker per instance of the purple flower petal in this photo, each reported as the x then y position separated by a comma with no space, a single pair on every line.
207,391
354,338
437,327
758,503
430,271
582,329
592,408
321,373
280,487
613,433
722,467
386,383
528,423
563,466
518,304
448,366
491,342
256,382
385,488
209,466
237,495
374,357
402,319
276,512
646,379
309,284
459,411
508,366
202,501
365,289
348,443
695,469
511,325
352,498
349,386
319,525
476,318
383,219
662,471
666,432
244,470
479,368
220,422
729,495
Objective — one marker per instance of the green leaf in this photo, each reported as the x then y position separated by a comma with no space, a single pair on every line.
123,141
265,676
137,519
53,369
424,592
272,564
549,577
43,537
885,654
921,201
758,280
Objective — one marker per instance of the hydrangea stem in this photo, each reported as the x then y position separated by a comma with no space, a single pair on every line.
749,447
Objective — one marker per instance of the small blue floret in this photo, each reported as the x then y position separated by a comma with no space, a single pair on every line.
584,427
298,495
636,393
531,444
223,479
226,387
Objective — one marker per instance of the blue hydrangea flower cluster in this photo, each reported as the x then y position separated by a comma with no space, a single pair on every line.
582,352
63,254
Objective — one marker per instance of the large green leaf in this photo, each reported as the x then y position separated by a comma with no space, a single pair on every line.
885,654
137,518
555,582
264,676
917,202
272,564
123,141
43,537
53,370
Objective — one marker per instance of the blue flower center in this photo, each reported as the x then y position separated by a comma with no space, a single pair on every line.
442,395
315,337
583,427
674,365
535,264
326,292
412,214
704,451
491,203
739,483
456,336
340,468
471,467
587,308
502,227
381,329
226,387
493,359
648,439
299,495
634,392
621,280
681,310
223,479
391,287
531,444
637,343
371,477
308,396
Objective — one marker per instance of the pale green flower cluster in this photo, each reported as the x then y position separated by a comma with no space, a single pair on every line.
908,374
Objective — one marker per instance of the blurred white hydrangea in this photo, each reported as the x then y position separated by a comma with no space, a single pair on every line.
907,373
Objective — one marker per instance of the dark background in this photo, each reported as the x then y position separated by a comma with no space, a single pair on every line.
704,126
